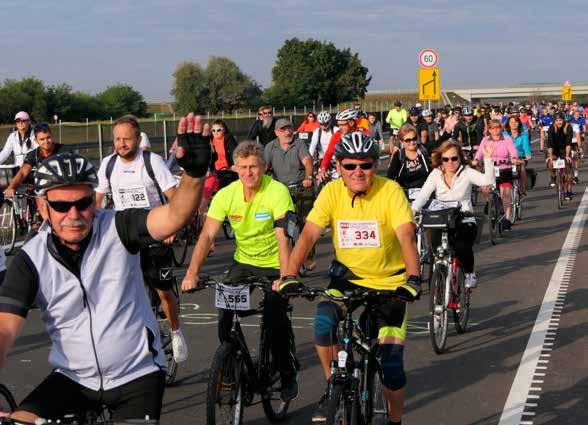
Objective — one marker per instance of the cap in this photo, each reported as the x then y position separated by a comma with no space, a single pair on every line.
283,122
22,115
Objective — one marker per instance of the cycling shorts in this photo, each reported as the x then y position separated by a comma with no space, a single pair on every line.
505,179
58,396
390,315
157,267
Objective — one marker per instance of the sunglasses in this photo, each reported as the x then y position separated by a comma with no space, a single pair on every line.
217,130
363,166
410,139
452,158
494,127
64,206
19,120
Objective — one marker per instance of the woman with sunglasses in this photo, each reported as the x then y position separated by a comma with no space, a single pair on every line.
515,130
306,128
21,141
411,164
505,154
451,180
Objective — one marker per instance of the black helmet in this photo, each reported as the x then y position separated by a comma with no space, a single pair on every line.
65,169
467,111
357,145
413,111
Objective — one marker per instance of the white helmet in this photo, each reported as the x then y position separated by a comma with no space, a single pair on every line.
427,113
357,145
347,114
323,117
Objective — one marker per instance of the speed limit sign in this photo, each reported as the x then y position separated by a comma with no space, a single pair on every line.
428,58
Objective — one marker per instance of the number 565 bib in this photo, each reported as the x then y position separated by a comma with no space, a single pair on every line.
358,234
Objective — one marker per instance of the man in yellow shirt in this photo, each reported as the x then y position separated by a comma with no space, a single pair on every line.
397,117
374,240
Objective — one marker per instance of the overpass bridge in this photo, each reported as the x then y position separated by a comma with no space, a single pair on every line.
526,92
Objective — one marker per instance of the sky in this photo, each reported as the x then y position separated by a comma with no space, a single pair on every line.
93,44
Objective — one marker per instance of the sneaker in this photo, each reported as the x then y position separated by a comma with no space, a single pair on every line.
568,196
320,413
576,180
552,182
179,346
471,281
289,389
507,224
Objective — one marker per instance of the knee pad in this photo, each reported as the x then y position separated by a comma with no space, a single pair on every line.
325,324
393,366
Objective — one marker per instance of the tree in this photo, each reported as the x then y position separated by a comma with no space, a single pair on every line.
27,94
59,100
228,87
190,88
314,72
122,99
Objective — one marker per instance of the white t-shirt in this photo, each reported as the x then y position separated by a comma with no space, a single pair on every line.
131,185
145,144
14,146
324,142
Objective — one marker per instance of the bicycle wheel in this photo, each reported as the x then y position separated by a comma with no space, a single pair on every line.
515,202
181,249
339,408
438,312
462,313
519,213
224,394
7,226
376,412
228,230
559,186
491,220
7,402
274,407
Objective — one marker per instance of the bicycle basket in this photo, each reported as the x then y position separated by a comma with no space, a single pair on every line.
441,219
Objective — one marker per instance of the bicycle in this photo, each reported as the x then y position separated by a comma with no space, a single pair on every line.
425,254
185,237
559,166
516,199
17,217
7,402
297,192
494,215
356,391
87,418
448,291
235,377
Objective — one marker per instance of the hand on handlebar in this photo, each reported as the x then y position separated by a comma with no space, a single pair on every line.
289,285
9,192
191,283
411,290
306,183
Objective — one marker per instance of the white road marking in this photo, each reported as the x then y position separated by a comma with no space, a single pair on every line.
519,392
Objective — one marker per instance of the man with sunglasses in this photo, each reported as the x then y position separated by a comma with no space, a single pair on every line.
140,179
83,272
32,159
19,142
374,240
263,128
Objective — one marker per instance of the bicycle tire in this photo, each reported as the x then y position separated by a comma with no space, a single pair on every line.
491,220
7,226
519,213
438,311
560,190
515,201
181,250
376,412
274,408
461,315
7,402
225,400
339,408
228,230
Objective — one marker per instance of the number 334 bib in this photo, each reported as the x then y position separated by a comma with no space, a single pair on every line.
358,234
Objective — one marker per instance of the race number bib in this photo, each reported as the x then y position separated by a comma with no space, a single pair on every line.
130,197
303,136
576,128
514,168
496,172
230,297
546,128
559,163
395,132
413,193
358,234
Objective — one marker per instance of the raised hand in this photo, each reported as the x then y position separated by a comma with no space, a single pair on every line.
193,152
488,149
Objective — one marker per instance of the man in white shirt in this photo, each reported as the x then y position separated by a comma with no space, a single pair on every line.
140,179
321,136
19,142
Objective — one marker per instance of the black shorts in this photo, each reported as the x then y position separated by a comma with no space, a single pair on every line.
505,178
388,318
58,396
157,267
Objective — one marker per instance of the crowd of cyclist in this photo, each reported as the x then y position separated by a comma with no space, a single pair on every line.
260,185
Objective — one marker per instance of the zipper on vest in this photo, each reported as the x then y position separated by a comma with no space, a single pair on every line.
87,305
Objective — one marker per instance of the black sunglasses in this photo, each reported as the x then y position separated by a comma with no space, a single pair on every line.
410,139
452,158
363,166
64,206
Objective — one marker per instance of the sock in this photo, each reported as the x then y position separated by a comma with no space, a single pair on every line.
575,173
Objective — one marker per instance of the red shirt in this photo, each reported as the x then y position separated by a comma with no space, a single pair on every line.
221,161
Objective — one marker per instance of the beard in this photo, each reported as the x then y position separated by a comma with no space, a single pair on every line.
266,123
288,139
130,154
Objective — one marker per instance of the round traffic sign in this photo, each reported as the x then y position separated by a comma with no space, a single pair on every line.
428,58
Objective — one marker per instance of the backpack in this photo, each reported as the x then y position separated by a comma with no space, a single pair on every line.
148,168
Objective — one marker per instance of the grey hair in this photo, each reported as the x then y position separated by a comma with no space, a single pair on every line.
247,148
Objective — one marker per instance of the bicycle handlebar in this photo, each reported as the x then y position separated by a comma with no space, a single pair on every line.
360,294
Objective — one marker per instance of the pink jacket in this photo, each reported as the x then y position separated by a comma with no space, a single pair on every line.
504,150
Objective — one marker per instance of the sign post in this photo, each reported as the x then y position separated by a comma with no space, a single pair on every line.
567,92
429,76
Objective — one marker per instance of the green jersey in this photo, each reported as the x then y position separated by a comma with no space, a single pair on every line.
253,222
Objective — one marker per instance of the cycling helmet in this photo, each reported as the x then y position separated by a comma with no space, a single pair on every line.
65,169
323,117
467,111
357,145
347,114
413,111
427,113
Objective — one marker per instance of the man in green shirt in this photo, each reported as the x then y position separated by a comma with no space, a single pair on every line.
253,204
397,117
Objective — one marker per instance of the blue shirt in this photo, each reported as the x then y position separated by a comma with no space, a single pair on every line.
522,144
578,124
546,120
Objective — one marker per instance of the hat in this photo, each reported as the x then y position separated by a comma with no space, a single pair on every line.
283,122
22,115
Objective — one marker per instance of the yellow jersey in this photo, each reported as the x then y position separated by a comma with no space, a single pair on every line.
364,234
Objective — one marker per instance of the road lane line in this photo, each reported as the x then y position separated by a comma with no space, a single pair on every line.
519,392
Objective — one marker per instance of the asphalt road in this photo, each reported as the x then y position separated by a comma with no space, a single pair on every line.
470,384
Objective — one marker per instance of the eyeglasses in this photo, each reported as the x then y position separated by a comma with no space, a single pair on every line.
217,130
64,206
23,121
494,127
363,166
448,158
410,139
